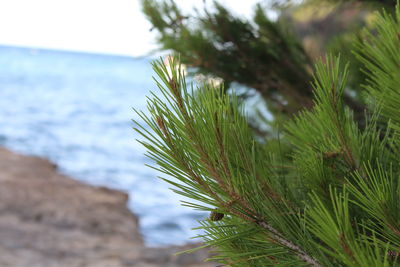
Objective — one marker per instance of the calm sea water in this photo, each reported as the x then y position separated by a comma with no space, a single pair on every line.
76,110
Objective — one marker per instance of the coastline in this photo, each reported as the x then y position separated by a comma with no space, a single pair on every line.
50,219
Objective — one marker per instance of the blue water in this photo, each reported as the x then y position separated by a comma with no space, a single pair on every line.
76,109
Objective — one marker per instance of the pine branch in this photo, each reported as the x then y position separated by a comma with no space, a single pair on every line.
333,202
299,252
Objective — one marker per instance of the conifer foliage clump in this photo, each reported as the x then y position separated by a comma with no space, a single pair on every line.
333,201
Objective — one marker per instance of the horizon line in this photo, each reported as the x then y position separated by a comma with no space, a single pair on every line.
35,49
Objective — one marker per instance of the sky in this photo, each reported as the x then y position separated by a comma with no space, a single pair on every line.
97,26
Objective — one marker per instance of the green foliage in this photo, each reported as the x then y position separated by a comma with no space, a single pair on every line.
381,56
259,54
263,54
334,201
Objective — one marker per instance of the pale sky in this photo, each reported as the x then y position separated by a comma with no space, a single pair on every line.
99,26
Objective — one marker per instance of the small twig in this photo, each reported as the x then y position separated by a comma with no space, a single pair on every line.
278,237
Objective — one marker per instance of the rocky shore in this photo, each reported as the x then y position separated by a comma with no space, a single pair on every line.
48,219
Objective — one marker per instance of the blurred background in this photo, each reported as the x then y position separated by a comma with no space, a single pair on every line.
71,72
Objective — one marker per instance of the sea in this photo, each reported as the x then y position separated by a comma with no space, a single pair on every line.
76,109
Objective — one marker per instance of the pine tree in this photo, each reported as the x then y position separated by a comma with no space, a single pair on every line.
219,44
260,53
333,201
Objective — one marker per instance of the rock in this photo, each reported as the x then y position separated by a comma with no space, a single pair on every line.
48,219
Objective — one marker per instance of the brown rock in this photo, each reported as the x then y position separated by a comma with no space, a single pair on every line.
48,219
